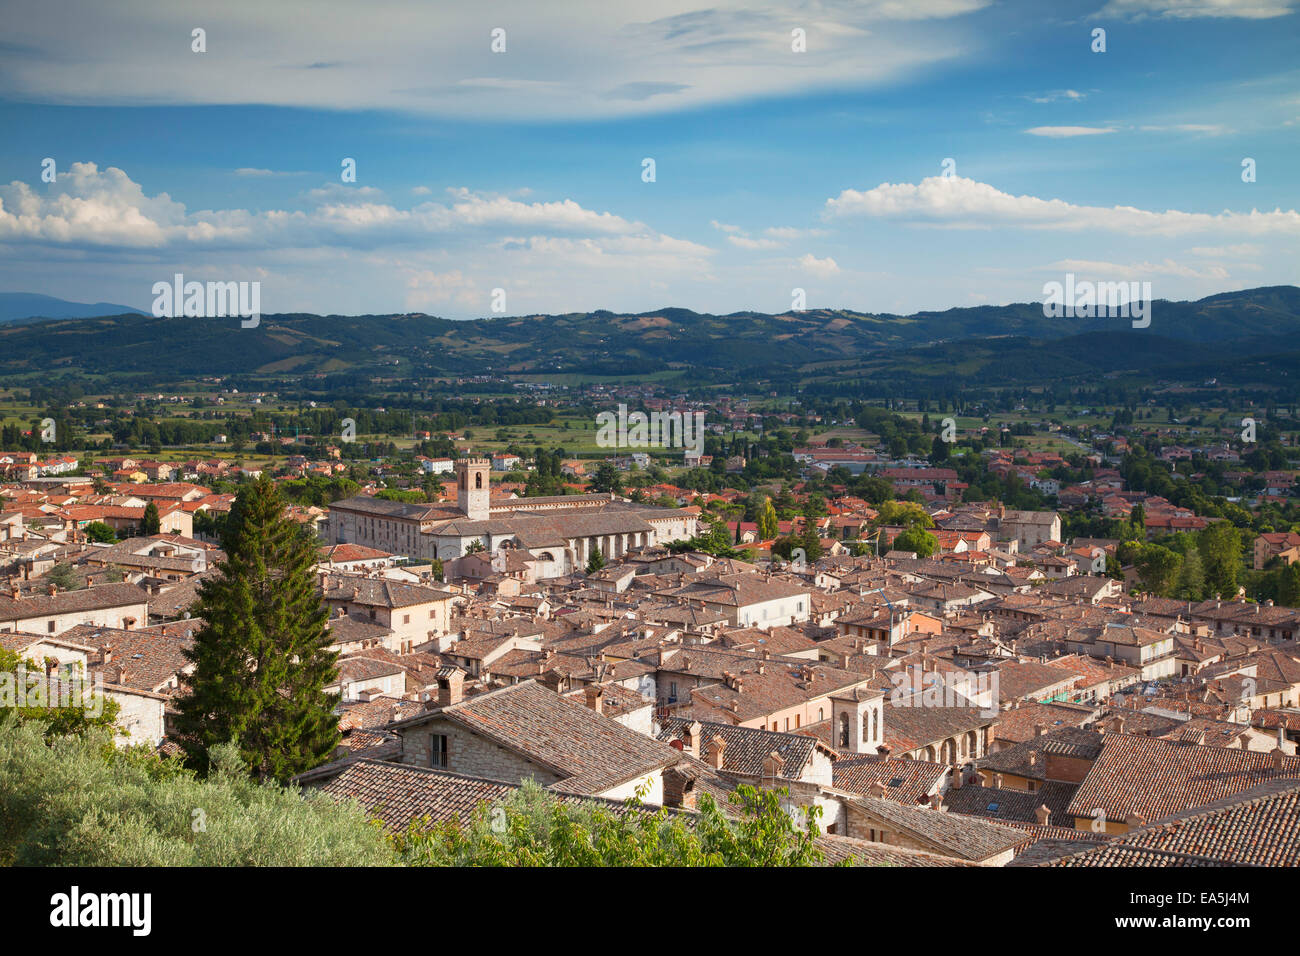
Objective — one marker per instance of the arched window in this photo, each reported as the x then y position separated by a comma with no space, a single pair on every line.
844,730
875,724
478,480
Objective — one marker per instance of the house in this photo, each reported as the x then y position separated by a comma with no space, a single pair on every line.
53,611
414,613
527,732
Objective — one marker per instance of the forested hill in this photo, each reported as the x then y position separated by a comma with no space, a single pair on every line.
1230,325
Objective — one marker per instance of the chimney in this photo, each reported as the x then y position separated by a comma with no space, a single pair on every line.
715,752
936,801
997,781
1039,730
679,788
595,697
878,789
772,767
958,777
1278,759
451,686
1043,814
694,732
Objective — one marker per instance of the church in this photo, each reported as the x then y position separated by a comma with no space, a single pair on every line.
560,533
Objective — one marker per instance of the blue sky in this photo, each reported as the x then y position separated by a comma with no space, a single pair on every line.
775,169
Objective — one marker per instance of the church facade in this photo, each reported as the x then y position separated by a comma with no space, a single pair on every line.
559,533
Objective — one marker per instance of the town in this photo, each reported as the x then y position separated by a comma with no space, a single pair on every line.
835,613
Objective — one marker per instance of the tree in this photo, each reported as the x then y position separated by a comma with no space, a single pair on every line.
100,533
811,542
150,523
906,513
1158,569
768,525
63,577
1288,586
35,698
1220,546
1191,577
596,561
262,658
532,827
84,802
607,479
917,540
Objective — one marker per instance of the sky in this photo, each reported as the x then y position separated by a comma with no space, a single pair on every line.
879,155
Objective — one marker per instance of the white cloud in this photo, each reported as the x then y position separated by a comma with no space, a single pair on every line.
1055,95
744,242
964,203
90,208
1196,9
1064,132
1245,250
1136,270
595,59
822,268
1213,129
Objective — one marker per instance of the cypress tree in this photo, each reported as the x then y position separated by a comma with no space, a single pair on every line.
261,659
151,523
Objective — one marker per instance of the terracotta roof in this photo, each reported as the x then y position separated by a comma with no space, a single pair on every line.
1155,778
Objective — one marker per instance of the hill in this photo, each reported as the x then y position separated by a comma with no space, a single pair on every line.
1013,343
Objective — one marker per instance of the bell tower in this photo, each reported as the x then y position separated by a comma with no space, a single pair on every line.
472,493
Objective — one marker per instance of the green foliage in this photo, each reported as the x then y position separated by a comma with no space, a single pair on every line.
63,576
596,561
79,801
907,513
607,478
58,720
533,828
411,497
1220,547
1191,577
261,659
150,523
100,533
916,539
1158,569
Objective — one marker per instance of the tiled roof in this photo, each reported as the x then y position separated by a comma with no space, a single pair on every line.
951,834
1007,804
747,747
906,781
70,602
1260,827
399,794
566,737
1028,759
1155,778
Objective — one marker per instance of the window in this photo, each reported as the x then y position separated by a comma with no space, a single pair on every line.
438,750
406,619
